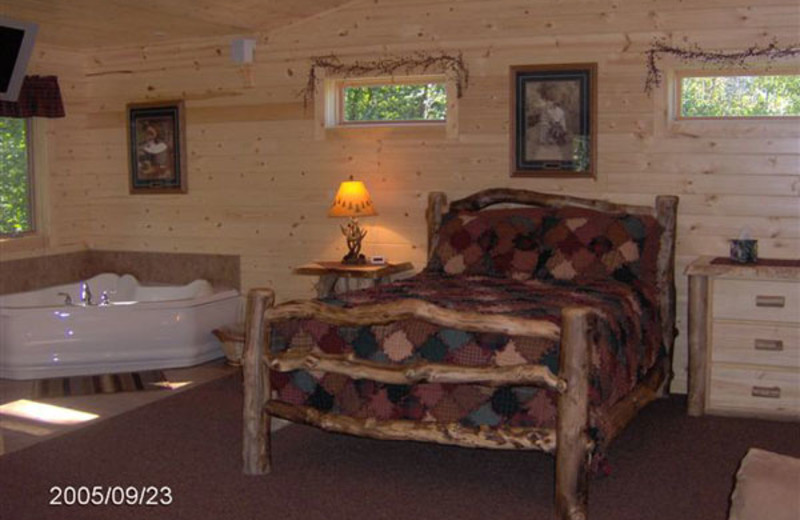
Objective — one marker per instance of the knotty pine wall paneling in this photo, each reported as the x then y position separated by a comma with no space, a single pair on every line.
260,180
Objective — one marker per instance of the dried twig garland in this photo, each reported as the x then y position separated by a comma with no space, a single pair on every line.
417,62
694,53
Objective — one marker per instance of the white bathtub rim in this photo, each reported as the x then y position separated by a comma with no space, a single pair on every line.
89,370
186,303
204,287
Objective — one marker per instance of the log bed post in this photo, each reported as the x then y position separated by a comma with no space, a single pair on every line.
667,216
256,431
573,446
437,201
698,339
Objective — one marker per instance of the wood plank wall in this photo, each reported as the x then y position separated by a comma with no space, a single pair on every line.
260,181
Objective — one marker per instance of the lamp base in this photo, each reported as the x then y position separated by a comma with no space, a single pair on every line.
354,259
354,235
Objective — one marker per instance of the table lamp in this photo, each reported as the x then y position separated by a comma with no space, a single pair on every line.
353,201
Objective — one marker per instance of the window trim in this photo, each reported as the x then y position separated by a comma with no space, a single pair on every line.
677,88
341,84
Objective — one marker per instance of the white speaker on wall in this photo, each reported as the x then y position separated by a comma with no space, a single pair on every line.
242,50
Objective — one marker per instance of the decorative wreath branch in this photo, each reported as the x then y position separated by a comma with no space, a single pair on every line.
694,53
417,62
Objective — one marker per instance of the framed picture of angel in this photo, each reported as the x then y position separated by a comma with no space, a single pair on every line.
554,120
157,147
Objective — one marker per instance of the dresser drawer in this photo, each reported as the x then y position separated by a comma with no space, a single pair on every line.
760,391
756,300
756,343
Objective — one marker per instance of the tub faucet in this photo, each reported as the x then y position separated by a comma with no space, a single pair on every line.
86,294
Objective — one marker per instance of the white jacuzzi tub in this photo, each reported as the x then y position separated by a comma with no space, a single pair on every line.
141,328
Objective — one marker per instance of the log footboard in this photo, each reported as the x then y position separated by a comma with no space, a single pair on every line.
569,442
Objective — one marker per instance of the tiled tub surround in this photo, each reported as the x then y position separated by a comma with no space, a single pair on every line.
169,268
29,274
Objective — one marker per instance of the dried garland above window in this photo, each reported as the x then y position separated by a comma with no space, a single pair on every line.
694,53
417,62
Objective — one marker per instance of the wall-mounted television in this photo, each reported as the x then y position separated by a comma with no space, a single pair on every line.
16,45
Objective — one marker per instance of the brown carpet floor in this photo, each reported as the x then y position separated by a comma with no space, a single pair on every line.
665,466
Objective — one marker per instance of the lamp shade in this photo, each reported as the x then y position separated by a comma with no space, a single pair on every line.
352,200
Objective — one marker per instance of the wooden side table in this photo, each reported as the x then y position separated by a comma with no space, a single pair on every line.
329,274
744,338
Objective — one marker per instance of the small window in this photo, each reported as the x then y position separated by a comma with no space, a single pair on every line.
369,102
16,177
704,96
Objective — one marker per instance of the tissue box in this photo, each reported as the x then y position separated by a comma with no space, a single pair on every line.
744,251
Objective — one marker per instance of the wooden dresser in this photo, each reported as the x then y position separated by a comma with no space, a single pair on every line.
744,338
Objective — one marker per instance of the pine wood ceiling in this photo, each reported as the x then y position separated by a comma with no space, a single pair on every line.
84,24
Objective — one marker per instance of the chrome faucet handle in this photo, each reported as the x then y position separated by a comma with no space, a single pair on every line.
104,299
86,294
67,298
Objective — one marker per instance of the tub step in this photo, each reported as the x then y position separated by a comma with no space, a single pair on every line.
98,384
232,339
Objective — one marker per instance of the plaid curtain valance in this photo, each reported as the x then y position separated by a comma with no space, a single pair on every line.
38,97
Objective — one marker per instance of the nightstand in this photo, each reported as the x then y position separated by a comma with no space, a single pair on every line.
330,273
744,338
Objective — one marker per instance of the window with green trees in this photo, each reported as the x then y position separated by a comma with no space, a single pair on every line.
394,102
16,212
740,96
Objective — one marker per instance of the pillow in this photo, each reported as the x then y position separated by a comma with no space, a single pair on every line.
767,487
548,243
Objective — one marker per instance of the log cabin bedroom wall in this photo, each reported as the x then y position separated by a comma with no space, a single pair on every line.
261,174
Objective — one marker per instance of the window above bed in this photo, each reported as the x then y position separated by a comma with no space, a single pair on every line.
737,95
418,104
386,101
423,100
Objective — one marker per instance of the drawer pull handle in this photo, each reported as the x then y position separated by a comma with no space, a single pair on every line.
773,345
770,301
770,392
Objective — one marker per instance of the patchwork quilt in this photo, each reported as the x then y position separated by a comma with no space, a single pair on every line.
628,344
526,262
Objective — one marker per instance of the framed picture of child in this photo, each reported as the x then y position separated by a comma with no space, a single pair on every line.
157,147
554,120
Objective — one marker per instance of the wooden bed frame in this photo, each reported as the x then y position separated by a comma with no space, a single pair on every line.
569,441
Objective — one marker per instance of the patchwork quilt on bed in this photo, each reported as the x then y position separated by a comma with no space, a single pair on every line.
628,344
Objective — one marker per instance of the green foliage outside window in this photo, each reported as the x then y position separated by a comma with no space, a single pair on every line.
423,102
740,96
15,210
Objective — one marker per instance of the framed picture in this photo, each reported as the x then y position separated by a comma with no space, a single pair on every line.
554,120
157,147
